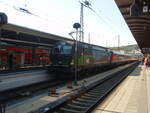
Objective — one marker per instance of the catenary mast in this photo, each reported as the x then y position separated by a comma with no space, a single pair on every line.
86,4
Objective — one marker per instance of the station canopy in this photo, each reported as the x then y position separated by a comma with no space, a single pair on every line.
17,35
137,16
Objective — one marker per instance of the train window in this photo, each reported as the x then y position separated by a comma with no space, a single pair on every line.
63,49
67,49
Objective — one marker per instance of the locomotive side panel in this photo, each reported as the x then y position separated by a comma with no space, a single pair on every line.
100,56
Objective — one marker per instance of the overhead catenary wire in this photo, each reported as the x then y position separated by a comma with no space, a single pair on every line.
108,21
105,16
103,20
118,29
87,4
111,28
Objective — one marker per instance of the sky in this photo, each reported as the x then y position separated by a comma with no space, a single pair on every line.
58,16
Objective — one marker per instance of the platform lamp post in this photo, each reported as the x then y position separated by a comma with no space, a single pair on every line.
76,26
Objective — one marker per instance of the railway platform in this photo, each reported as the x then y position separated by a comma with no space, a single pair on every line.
19,79
131,96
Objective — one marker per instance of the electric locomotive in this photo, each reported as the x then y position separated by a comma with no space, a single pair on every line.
90,57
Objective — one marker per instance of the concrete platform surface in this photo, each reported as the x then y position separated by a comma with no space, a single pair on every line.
131,96
23,78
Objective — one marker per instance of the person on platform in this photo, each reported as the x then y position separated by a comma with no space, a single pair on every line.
146,61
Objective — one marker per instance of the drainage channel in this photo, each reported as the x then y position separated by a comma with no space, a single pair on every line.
87,101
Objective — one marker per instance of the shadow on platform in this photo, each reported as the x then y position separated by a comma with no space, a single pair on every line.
137,71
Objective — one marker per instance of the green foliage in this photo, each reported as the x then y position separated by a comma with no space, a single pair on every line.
126,48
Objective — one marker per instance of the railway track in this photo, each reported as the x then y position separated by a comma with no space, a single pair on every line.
87,100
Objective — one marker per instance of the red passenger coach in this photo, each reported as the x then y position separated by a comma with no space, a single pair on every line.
118,58
24,57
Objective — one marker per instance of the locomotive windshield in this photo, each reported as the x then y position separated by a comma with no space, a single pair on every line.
63,49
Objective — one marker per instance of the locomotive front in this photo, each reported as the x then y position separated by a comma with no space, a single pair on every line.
62,58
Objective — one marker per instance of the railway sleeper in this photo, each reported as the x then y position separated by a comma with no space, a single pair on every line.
101,87
85,101
93,94
89,98
81,103
99,90
69,110
73,106
95,91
